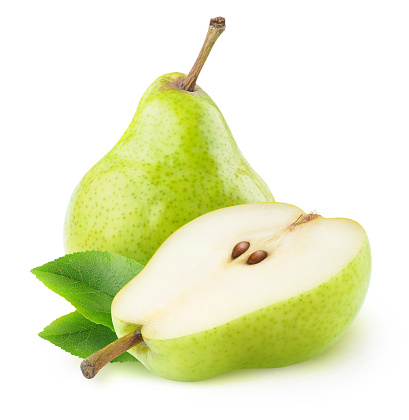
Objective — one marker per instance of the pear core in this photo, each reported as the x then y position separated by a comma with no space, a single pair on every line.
193,284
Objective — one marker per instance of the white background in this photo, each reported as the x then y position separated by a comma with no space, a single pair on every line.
316,95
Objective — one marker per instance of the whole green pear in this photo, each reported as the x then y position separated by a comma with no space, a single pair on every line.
176,161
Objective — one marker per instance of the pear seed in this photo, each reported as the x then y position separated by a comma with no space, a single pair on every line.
256,257
240,249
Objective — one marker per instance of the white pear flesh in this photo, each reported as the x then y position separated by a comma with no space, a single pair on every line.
192,285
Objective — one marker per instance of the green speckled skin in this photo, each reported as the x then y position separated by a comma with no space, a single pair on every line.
282,334
176,161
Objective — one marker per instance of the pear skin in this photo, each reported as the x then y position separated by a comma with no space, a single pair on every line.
176,161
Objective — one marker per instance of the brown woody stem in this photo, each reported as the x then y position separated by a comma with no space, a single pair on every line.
95,362
216,28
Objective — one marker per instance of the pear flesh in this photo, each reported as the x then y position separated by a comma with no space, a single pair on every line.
176,161
202,312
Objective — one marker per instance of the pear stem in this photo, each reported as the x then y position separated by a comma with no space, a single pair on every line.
216,28
91,366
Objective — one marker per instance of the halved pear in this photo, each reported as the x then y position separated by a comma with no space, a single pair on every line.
291,287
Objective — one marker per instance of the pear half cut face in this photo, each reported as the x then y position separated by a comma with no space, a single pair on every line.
239,263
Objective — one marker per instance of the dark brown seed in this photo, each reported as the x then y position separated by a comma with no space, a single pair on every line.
240,249
256,257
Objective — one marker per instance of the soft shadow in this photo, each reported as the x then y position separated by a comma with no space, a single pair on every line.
344,349
113,371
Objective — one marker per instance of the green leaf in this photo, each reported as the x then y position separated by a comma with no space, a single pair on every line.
81,337
89,281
